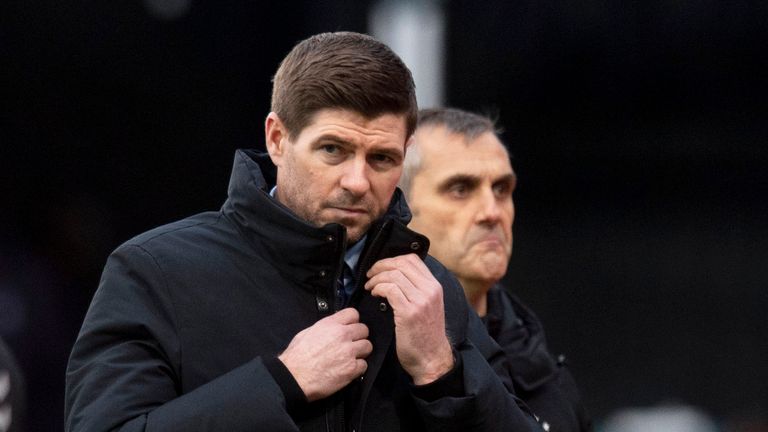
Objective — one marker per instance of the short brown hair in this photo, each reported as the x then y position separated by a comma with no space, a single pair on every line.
343,70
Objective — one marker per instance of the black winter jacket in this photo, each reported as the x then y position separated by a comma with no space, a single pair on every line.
183,331
545,384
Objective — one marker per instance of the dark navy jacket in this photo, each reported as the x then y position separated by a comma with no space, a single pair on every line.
545,384
183,331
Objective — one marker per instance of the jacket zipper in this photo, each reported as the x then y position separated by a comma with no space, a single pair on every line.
363,265
334,413
367,260
338,274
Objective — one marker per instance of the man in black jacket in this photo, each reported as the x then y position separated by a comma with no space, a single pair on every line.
459,182
305,303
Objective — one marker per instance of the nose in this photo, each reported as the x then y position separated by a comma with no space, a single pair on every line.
489,208
354,179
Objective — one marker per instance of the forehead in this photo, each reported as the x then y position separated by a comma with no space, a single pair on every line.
444,154
351,126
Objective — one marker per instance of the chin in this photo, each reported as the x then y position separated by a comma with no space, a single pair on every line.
493,269
353,235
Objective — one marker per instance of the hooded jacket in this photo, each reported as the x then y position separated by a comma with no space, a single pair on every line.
545,384
184,329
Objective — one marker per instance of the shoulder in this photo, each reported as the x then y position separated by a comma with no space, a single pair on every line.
187,228
173,249
179,238
436,267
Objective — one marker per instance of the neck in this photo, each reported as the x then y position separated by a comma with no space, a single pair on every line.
477,294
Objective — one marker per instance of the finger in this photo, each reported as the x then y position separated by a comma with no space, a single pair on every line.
415,288
357,331
391,276
360,367
392,293
362,348
345,316
387,264
411,266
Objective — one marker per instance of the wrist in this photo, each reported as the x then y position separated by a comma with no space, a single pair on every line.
435,368
295,373
449,385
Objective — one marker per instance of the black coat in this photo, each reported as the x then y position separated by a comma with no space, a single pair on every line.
545,384
183,331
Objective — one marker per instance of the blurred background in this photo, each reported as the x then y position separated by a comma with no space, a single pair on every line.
638,130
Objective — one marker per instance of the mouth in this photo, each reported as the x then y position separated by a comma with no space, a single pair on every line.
491,240
342,214
350,210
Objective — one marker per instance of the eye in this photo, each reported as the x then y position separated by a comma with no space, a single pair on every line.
459,190
330,148
502,189
381,158
382,161
332,153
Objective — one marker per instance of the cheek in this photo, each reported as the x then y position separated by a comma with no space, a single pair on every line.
319,180
448,229
432,221
383,186
443,217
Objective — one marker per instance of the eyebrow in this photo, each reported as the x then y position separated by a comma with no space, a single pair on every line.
397,154
473,181
469,180
332,138
510,178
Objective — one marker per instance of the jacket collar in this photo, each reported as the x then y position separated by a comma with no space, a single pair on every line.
307,254
519,333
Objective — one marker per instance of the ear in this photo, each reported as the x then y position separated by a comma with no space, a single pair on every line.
408,143
276,137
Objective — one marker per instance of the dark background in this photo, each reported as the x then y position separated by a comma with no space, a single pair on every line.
638,131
